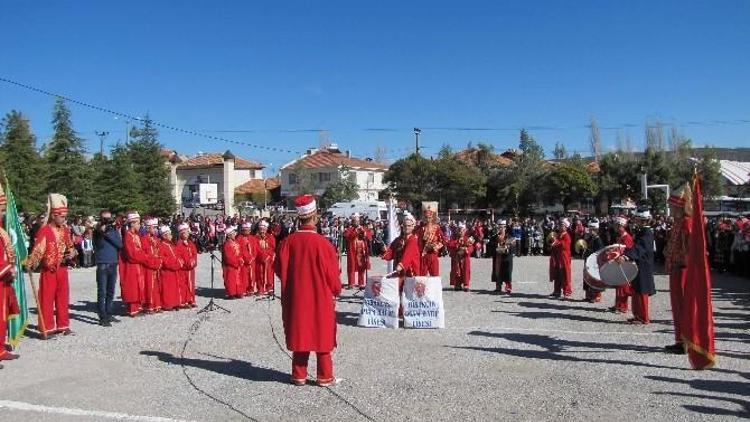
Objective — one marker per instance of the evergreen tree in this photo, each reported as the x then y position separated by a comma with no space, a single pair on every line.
122,191
100,184
151,169
342,190
570,182
20,161
66,167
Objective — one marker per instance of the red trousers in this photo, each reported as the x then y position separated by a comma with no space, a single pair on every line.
360,278
54,294
299,365
264,278
621,297
676,292
563,282
640,307
430,265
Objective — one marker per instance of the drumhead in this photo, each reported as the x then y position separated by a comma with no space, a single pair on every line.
616,274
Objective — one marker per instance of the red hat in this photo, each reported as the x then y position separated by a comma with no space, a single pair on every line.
305,205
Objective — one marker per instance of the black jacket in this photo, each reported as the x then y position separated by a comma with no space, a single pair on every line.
642,253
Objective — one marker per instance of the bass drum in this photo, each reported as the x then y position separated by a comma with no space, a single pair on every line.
602,271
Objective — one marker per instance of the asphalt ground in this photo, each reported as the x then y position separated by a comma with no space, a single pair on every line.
524,357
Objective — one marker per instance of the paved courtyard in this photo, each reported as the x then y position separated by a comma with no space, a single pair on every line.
523,357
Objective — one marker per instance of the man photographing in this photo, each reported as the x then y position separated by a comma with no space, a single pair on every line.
107,244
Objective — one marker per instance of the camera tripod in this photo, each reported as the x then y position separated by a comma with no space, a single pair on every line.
212,306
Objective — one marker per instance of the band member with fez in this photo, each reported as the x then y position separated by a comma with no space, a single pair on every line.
676,252
430,242
501,245
404,250
152,292
308,267
560,262
8,300
358,237
188,253
461,248
593,244
264,259
53,251
232,261
169,273
622,292
642,253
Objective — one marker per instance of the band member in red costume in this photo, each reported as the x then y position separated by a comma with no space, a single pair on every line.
53,251
430,242
622,292
265,258
169,273
308,267
461,248
357,252
188,253
152,292
232,260
560,262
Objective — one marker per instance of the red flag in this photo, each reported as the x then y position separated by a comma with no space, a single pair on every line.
697,311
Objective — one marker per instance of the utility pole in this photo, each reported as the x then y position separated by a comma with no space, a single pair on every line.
417,131
101,136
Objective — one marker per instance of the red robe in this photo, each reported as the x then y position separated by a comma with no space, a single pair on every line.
308,268
50,247
188,253
152,291
430,242
264,262
247,270
232,265
169,278
357,253
560,265
405,251
622,292
460,251
131,283
8,301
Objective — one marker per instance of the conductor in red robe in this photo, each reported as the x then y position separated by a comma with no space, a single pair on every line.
133,261
623,292
266,245
357,252
560,262
169,274
461,248
188,253
676,255
404,250
53,251
308,268
232,261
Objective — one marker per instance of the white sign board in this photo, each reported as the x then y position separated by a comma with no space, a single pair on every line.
208,193
380,303
422,300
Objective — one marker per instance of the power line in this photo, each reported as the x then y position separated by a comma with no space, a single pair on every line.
155,123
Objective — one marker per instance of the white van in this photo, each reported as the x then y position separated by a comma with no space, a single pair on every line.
372,209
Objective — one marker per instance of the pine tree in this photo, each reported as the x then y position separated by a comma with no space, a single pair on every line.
21,162
66,167
151,169
119,176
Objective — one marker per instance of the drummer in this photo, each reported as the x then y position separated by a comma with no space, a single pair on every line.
593,244
642,253
623,238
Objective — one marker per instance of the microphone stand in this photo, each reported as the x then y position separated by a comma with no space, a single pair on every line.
212,306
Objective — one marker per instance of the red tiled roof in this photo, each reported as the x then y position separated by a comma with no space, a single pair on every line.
257,186
216,159
470,156
327,158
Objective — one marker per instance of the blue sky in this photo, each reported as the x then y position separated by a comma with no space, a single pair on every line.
351,66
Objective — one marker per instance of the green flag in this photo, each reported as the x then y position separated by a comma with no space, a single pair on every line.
17,323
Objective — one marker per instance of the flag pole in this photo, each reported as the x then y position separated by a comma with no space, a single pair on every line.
41,327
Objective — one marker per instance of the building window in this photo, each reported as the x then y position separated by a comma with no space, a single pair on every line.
371,178
292,178
324,177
